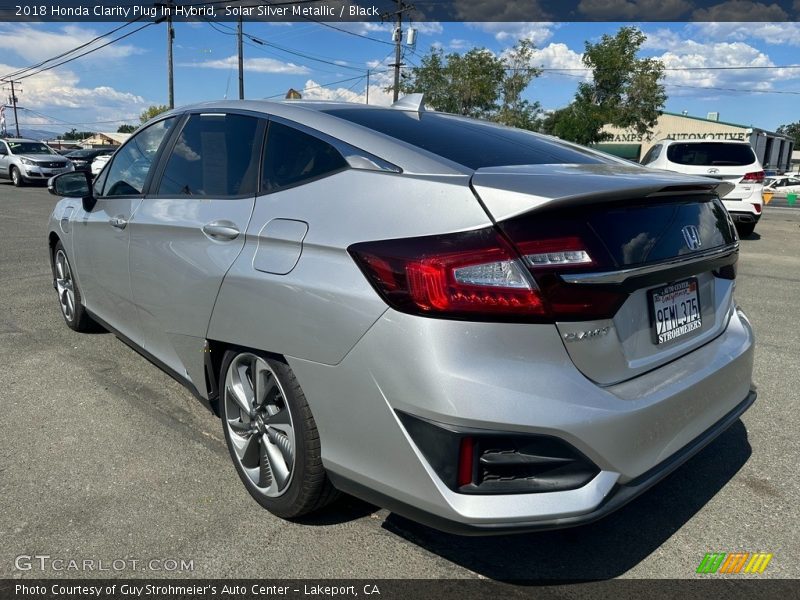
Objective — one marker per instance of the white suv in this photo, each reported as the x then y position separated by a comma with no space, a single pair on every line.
734,162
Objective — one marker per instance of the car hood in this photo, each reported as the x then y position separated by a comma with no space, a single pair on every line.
513,190
42,157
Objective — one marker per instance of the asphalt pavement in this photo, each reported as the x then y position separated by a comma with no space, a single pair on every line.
103,457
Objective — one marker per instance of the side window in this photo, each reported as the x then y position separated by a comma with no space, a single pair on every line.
652,155
293,157
3,148
131,165
215,155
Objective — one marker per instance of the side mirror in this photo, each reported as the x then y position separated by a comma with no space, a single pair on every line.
75,184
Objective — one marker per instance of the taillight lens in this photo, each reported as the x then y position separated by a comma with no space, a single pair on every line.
467,275
754,177
478,275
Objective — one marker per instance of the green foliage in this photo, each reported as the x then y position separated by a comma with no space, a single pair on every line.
126,128
625,91
478,84
153,111
792,130
74,134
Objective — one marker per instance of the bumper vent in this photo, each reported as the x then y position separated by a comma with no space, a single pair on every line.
499,462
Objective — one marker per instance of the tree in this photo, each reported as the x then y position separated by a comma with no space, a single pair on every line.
153,111
625,91
126,128
478,84
74,134
792,130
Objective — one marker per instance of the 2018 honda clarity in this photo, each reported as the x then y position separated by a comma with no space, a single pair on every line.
479,327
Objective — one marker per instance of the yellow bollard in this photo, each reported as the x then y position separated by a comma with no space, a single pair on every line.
767,197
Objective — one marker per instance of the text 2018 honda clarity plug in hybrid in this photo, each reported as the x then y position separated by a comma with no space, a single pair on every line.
479,327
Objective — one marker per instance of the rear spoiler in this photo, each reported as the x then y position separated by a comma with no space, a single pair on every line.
513,190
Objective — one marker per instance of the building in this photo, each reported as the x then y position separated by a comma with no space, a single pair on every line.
105,139
773,150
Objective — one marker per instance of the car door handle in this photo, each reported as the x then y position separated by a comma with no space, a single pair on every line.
221,230
118,222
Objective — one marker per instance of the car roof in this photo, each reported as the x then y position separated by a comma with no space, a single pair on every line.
310,113
22,140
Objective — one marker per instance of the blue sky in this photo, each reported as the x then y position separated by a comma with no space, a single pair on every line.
114,84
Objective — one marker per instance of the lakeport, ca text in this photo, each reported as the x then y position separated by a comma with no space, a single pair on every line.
165,589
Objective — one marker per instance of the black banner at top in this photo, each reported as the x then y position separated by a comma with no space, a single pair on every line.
414,10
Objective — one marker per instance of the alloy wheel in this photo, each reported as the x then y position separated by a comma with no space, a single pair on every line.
259,423
65,286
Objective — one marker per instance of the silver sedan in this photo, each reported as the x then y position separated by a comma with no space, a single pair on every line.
479,327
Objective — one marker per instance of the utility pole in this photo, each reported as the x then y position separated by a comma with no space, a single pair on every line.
14,102
168,6
398,43
241,59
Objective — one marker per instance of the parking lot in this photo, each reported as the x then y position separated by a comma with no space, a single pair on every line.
104,457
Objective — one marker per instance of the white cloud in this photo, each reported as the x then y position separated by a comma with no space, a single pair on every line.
740,10
62,91
771,33
693,54
253,65
377,91
651,10
557,56
33,44
538,33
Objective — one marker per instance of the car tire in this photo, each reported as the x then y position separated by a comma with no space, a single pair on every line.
16,177
745,229
69,296
271,435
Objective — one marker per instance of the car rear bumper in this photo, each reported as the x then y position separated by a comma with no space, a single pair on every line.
616,499
516,379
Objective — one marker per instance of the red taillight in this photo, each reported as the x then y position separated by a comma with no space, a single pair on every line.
478,275
465,275
757,208
754,177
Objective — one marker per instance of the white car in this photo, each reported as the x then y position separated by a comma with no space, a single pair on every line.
734,162
98,164
783,185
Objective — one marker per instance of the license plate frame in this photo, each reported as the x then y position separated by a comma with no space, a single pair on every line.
687,317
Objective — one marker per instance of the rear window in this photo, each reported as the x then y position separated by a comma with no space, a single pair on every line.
715,154
469,142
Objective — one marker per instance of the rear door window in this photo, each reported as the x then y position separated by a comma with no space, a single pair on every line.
215,155
293,157
715,154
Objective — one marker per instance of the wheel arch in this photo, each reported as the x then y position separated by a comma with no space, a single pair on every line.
214,353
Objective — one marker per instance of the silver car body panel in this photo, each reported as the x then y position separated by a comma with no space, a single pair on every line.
509,191
509,377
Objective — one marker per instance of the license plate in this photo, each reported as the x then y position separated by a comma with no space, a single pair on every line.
675,309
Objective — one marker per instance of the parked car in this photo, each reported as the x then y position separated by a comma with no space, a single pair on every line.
479,327
82,159
782,185
734,162
98,163
23,161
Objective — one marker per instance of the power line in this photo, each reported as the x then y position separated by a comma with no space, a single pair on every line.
84,45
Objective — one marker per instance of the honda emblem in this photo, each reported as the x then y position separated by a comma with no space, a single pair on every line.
692,237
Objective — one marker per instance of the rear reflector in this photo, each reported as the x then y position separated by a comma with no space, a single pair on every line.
466,461
757,208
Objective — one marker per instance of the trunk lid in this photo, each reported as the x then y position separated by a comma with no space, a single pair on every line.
662,251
